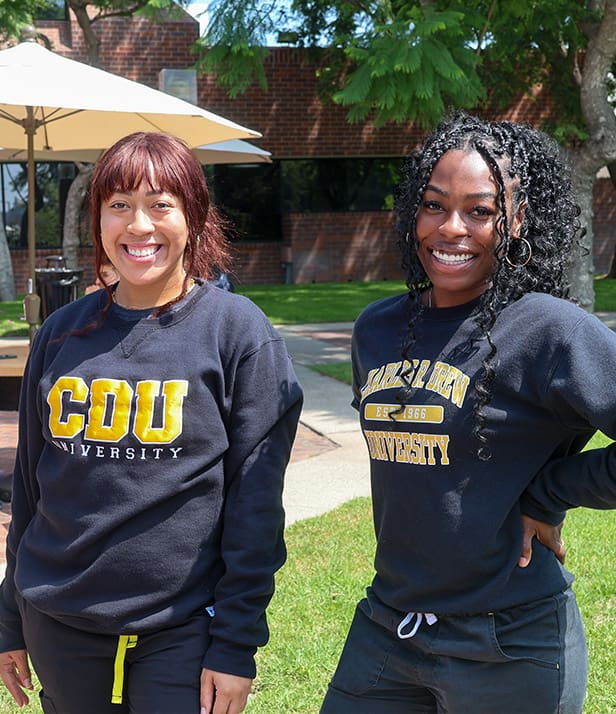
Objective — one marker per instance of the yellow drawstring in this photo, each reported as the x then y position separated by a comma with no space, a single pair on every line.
124,642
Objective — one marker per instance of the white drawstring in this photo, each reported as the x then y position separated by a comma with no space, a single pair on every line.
430,617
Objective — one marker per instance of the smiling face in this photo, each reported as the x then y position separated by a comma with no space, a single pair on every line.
144,233
456,227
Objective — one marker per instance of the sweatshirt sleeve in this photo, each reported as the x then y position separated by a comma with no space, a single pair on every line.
24,497
266,405
586,479
582,393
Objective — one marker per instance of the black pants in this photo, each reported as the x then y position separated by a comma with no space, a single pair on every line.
527,660
157,673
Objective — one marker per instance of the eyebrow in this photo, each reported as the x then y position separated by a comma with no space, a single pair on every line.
482,194
147,193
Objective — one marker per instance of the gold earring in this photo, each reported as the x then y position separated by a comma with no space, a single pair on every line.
529,250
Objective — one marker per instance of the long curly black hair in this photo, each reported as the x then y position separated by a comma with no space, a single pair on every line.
532,164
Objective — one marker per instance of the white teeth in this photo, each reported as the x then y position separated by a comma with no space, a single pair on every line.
141,252
452,259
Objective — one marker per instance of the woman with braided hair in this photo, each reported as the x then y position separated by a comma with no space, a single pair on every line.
477,391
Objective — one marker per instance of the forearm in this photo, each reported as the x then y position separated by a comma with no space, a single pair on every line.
586,479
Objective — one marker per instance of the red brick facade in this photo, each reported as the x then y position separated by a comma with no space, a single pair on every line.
294,124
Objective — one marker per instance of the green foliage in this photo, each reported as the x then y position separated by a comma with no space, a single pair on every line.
411,68
397,60
236,66
535,43
233,47
14,14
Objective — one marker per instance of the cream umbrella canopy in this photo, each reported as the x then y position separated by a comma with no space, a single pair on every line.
49,102
233,151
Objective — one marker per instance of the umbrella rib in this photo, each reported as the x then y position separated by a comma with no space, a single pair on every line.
54,115
148,121
10,117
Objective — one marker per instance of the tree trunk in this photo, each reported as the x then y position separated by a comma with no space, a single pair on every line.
80,9
7,280
72,210
582,270
600,147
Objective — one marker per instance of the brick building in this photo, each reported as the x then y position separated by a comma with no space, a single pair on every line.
297,221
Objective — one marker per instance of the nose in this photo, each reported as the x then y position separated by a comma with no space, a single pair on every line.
453,225
140,223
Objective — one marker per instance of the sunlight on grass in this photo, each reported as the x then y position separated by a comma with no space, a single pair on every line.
11,322
342,371
318,302
605,295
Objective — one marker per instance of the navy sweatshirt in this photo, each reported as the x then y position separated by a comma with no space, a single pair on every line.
149,472
447,523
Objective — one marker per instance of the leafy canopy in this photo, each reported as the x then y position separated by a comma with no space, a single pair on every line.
391,60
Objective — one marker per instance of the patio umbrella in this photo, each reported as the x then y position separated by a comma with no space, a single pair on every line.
49,102
233,151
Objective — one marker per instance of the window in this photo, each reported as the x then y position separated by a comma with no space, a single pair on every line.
249,195
255,196
52,181
345,184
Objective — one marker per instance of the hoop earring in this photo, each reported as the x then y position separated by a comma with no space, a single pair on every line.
406,237
529,250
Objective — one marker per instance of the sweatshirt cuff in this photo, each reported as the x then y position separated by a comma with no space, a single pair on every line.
532,508
11,637
229,658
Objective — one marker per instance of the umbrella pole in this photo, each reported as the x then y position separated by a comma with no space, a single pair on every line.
32,301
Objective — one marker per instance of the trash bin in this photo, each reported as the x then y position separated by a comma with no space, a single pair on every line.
56,284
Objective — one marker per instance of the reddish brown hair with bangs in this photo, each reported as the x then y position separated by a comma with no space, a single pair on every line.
167,164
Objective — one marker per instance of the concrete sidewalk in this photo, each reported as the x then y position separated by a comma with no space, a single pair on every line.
340,471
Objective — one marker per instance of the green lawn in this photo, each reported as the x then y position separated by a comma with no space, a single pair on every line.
605,295
318,302
311,302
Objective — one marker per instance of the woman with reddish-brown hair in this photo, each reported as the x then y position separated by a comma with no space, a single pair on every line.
156,422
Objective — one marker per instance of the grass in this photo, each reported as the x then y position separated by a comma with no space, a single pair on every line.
605,295
10,323
328,569
342,371
311,302
318,302
283,304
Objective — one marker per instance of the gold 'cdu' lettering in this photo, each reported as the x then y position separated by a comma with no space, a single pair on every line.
61,425
173,395
109,415
155,413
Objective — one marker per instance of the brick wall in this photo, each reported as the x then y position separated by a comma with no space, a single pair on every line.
342,246
604,224
21,270
256,263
